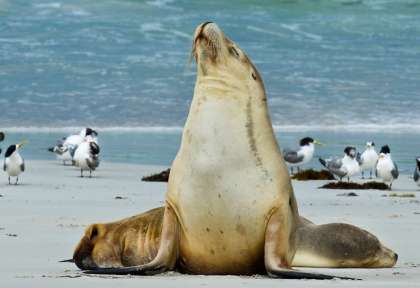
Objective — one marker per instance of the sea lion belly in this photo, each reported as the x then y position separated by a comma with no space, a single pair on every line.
225,194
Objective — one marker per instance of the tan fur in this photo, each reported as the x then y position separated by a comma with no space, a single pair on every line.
135,241
228,177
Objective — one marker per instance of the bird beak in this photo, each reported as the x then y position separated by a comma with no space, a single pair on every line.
319,143
19,145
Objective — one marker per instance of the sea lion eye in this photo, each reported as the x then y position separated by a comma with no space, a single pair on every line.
254,76
234,51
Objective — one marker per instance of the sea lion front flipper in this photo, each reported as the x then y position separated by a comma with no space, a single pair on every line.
277,258
166,257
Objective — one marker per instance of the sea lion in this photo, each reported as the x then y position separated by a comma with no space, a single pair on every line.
135,241
230,206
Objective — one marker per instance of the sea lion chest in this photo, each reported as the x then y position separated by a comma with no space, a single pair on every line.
222,187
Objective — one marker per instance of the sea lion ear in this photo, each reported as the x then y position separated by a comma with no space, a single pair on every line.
92,232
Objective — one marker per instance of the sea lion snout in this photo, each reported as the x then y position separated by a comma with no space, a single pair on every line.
206,28
390,258
386,258
95,247
208,41
83,255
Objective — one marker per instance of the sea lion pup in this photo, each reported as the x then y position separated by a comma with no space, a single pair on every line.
135,241
230,207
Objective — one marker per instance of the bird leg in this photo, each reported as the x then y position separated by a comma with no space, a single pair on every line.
370,174
17,179
81,173
298,168
363,175
291,170
90,173
9,180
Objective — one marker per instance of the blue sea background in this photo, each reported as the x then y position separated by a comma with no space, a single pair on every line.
343,72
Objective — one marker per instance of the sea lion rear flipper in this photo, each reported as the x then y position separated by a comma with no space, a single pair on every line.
294,274
166,257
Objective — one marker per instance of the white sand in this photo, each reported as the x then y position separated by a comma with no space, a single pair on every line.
49,211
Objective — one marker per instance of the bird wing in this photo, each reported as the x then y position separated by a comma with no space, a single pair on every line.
394,172
92,163
72,149
335,165
359,159
22,166
416,175
292,156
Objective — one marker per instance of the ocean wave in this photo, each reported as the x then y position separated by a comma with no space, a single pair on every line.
295,28
264,30
351,128
53,5
75,129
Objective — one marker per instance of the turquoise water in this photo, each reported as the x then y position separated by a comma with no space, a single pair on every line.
344,71
125,62
160,148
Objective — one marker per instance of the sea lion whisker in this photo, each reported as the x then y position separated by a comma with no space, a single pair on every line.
67,261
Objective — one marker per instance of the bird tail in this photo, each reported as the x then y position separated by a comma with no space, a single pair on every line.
323,162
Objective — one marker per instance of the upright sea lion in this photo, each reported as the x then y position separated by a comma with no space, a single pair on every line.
135,241
230,206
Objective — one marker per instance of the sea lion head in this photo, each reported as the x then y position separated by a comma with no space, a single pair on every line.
97,249
385,258
128,242
218,57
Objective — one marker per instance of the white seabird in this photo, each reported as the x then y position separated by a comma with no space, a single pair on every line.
367,160
14,164
66,147
386,168
416,175
343,167
86,156
302,155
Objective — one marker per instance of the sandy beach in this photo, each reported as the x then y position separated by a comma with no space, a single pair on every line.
43,218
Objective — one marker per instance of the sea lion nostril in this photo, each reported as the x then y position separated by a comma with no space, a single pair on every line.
205,23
